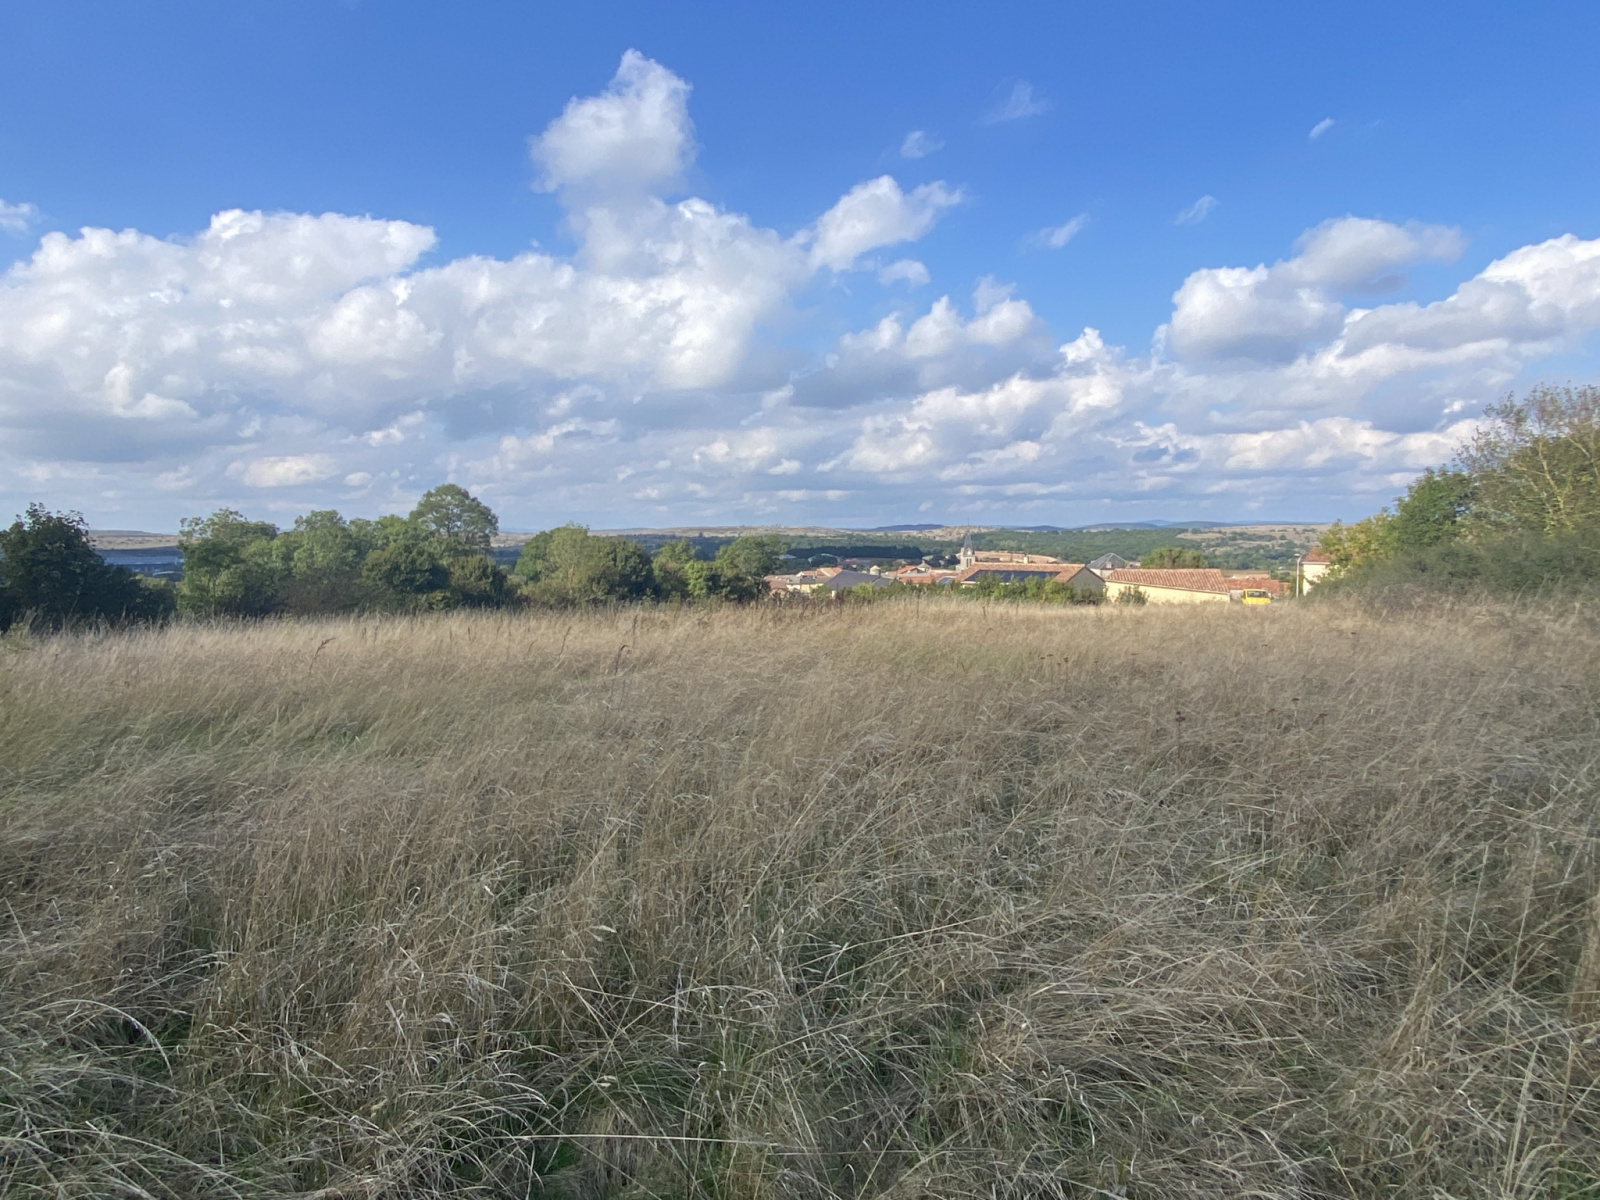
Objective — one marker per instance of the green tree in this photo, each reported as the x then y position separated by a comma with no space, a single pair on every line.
409,572
456,518
754,556
321,560
1433,509
570,565
229,566
51,573
669,569
1369,540
477,582
1536,462
738,572
1173,556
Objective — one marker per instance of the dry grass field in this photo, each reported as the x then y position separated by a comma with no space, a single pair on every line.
900,900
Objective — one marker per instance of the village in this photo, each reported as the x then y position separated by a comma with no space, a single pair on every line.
1111,576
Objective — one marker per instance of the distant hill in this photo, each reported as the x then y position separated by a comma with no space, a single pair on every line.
130,539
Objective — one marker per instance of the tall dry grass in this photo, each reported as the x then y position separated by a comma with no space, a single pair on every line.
897,901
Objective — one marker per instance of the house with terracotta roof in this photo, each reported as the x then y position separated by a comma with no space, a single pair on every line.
1258,581
829,580
801,581
1313,567
1053,571
1196,585
921,573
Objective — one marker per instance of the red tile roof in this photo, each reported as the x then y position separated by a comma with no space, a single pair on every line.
1194,579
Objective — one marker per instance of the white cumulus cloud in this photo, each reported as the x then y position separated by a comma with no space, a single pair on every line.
287,470
634,135
1280,311
875,214
290,359
919,143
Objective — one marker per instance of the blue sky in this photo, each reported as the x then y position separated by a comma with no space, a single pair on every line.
849,264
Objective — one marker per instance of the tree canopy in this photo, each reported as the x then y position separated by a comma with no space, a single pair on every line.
51,574
458,519
437,558
1519,505
1536,462
570,565
1173,556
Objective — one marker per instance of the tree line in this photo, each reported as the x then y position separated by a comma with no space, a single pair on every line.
436,558
1518,507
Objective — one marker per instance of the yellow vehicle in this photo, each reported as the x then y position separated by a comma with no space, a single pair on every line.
1255,596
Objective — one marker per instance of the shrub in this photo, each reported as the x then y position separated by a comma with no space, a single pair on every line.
52,575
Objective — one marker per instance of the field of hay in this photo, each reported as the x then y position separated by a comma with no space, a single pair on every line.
902,900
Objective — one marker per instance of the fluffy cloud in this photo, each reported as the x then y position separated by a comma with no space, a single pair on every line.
286,471
279,360
634,135
1277,312
876,214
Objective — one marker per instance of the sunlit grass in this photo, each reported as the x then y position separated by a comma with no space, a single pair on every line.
907,899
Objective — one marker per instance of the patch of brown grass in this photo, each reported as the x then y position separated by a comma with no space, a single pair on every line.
899,900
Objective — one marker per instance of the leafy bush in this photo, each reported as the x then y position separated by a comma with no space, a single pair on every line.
434,559
1518,510
52,576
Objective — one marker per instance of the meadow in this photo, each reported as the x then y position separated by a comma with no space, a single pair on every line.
900,900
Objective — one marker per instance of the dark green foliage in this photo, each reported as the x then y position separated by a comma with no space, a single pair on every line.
429,561
51,575
669,569
453,516
1173,556
738,573
229,567
753,557
321,560
900,551
407,572
718,580
475,582
1517,562
1038,591
1518,512
570,565
1433,508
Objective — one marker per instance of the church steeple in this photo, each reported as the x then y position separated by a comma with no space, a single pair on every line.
968,555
